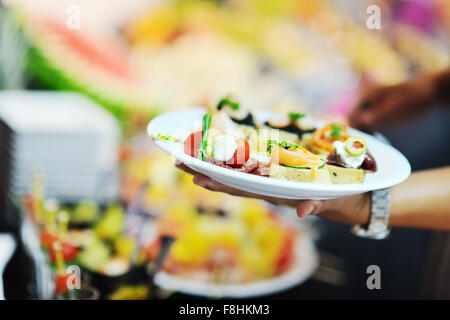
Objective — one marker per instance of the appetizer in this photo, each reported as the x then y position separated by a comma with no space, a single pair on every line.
228,148
286,146
292,125
342,159
290,161
339,157
321,141
237,113
350,160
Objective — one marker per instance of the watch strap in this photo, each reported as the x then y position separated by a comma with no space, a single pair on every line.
377,228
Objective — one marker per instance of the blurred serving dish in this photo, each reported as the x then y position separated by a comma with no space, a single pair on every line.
305,262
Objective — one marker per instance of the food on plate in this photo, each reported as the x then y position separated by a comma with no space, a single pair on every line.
352,153
290,161
237,113
350,160
328,154
346,175
292,126
232,116
323,138
230,149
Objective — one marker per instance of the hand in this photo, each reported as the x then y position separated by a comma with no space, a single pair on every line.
349,210
390,105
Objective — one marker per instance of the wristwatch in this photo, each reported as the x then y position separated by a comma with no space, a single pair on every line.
377,228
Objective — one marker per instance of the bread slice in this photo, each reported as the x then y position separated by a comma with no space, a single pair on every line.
296,174
345,175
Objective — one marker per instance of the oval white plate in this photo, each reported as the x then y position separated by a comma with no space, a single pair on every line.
305,263
393,167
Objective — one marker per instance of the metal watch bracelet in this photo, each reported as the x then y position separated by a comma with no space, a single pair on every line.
377,228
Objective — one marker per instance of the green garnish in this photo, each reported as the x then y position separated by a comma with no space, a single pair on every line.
284,144
269,145
285,165
288,145
206,123
296,115
335,131
228,102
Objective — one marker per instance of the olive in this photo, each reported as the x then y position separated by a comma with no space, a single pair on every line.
355,145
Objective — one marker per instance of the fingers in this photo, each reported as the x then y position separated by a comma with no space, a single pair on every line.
350,210
365,115
212,185
180,165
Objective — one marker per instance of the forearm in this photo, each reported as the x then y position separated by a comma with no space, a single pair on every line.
422,201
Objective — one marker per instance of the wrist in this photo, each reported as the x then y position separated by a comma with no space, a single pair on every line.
361,210
349,210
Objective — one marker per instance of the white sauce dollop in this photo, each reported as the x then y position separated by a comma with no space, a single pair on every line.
349,160
224,147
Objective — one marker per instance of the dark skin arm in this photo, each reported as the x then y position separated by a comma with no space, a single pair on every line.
391,105
422,201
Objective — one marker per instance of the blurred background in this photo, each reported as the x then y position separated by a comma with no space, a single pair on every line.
81,184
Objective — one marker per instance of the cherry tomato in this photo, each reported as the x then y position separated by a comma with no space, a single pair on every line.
241,155
69,252
192,143
61,284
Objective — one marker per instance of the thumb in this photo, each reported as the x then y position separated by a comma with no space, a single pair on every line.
308,207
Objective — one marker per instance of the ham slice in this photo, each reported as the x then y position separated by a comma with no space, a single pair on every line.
368,164
263,169
248,167
252,166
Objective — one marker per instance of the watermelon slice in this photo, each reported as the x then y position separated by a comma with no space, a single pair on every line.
65,59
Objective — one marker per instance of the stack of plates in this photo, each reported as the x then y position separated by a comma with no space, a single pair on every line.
68,138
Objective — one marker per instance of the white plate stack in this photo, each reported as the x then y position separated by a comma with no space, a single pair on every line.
71,140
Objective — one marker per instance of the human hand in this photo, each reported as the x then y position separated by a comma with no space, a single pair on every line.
349,210
390,105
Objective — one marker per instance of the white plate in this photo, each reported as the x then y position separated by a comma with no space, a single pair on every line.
305,263
393,167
